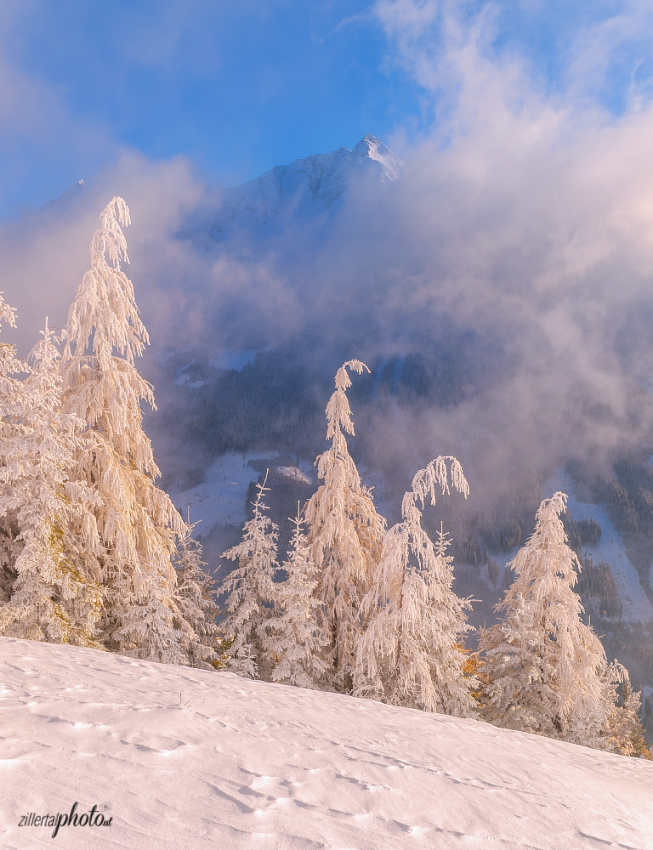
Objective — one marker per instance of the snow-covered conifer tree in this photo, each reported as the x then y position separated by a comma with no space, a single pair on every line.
625,730
137,523
248,607
546,670
56,594
411,653
11,409
345,534
196,605
296,640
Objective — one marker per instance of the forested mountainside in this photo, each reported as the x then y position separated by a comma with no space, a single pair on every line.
255,383
270,401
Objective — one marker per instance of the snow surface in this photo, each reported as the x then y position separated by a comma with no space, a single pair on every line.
182,758
228,358
182,377
636,606
222,496
295,474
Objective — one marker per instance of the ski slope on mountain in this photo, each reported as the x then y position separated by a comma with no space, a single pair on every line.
193,759
610,549
222,496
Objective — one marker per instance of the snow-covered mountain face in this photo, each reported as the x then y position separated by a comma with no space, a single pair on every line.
305,188
175,757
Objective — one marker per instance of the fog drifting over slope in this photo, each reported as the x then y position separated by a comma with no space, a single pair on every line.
520,230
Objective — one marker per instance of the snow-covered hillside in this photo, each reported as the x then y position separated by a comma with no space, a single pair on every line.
636,605
222,496
192,759
305,187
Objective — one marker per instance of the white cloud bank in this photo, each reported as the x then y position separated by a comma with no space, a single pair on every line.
522,225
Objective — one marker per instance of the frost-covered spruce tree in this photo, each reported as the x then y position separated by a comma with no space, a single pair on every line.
251,594
195,601
56,594
137,523
296,640
411,653
12,404
345,535
625,730
546,670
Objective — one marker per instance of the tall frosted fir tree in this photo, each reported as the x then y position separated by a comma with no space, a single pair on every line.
296,640
249,605
137,523
12,404
196,604
410,653
56,594
345,535
546,670
626,732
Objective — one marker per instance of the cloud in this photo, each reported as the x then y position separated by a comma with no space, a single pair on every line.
188,296
519,237
524,219
45,146
583,54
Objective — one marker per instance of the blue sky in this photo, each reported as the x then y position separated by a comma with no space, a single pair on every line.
524,213
238,87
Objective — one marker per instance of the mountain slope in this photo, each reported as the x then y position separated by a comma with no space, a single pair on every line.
185,758
306,187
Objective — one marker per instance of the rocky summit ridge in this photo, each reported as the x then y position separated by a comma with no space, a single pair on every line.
306,187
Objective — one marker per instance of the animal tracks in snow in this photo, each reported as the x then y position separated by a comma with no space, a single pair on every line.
250,765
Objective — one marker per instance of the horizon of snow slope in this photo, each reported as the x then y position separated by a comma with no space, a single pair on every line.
179,757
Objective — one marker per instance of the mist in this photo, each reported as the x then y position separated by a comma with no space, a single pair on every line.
518,239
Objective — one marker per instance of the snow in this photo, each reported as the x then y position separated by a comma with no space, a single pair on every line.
227,358
294,473
371,147
222,496
307,186
182,377
636,606
194,759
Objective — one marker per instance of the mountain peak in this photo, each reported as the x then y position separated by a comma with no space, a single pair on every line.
306,186
374,149
66,202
